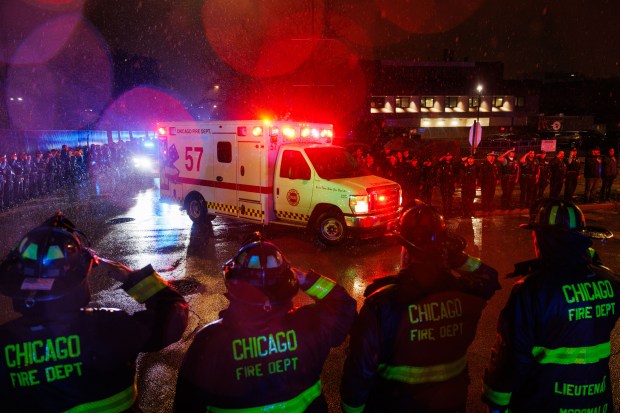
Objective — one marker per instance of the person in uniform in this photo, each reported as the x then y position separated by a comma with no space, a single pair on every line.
528,180
608,175
557,168
543,175
469,180
573,166
592,172
408,346
510,176
446,175
60,355
553,341
6,181
263,354
429,178
489,177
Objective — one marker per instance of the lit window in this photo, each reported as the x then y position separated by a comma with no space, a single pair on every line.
452,101
474,101
403,102
377,102
498,101
427,102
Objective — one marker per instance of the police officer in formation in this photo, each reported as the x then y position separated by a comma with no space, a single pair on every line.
592,173
544,174
447,173
408,346
553,343
557,168
573,167
61,355
609,173
469,176
509,178
489,178
263,354
528,179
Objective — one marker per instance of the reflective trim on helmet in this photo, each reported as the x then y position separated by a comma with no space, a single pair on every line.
553,214
497,397
297,404
350,409
572,355
113,404
471,264
31,252
147,288
592,252
426,374
321,288
571,218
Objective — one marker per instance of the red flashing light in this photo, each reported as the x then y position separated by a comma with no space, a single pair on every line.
242,131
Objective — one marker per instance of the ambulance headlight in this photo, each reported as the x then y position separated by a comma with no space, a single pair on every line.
358,204
142,162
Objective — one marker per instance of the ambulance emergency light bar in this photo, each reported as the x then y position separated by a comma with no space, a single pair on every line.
305,134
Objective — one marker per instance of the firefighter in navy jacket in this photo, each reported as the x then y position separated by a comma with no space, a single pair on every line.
408,347
263,354
553,342
61,357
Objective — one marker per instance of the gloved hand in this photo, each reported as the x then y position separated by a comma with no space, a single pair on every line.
114,269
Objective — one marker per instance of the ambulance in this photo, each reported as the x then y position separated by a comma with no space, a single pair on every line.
278,172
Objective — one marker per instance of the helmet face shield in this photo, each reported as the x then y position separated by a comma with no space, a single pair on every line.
260,274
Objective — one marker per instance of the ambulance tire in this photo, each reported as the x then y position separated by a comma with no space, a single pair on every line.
331,228
197,210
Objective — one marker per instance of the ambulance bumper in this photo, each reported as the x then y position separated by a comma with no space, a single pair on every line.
369,226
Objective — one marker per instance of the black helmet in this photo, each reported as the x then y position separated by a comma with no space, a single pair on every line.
48,263
260,274
422,229
564,215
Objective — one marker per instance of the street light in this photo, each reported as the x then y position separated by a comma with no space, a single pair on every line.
479,89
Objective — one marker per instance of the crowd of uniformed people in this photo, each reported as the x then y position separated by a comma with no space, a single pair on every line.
498,176
25,176
408,344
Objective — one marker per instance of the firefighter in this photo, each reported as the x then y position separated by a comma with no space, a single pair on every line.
408,346
263,354
553,342
61,356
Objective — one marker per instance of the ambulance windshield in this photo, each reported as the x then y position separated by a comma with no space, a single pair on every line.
334,162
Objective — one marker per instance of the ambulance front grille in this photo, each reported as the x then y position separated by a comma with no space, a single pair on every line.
384,198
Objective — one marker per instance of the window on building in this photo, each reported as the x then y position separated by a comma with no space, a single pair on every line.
474,101
377,102
520,101
224,152
427,102
498,101
452,101
403,102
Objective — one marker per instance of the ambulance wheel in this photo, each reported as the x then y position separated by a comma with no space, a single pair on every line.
197,210
331,228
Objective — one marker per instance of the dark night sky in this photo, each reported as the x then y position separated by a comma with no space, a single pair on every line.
59,50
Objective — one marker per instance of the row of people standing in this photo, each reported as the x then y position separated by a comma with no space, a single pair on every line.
533,174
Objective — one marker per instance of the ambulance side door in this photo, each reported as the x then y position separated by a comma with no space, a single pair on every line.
293,187
224,175
250,173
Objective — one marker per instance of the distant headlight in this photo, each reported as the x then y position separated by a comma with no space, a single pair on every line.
142,162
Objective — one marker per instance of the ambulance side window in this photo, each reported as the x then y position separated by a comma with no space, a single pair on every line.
294,166
224,152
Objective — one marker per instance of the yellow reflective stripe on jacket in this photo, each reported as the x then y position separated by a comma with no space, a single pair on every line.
147,288
427,374
497,397
572,355
297,404
471,264
113,404
349,409
321,288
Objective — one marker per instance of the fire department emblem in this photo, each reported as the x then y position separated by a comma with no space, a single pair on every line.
292,196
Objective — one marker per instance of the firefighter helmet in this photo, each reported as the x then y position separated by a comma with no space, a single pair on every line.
563,215
50,262
260,274
422,229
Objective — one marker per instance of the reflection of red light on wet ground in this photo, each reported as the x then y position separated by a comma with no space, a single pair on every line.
429,16
263,39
